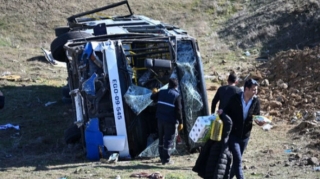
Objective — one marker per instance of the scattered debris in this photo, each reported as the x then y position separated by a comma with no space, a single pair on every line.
316,169
267,127
287,151
247,53
51,60
113,158
50,103
155,175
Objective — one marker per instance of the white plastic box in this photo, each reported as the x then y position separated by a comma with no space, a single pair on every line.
201,127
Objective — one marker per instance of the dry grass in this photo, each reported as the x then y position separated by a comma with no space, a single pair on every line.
33,22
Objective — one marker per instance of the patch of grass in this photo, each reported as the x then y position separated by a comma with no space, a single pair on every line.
4,42
177,176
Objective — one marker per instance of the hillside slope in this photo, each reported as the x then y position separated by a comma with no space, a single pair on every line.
274,25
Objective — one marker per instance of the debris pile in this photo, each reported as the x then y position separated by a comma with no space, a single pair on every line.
291,85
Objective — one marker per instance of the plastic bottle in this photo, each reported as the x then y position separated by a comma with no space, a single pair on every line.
216,129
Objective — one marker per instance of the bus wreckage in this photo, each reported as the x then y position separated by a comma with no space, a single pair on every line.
113,64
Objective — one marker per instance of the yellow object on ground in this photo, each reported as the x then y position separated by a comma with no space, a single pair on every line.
11,77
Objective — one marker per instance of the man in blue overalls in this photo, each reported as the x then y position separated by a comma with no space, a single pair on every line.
169,115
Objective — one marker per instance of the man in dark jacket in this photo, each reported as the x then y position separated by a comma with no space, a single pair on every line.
225,92
1,100
240,109
169,115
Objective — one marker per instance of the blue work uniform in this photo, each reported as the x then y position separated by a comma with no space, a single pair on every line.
168,115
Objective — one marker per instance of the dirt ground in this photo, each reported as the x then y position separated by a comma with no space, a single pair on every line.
281,153
282,39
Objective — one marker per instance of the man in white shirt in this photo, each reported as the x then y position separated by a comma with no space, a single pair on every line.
240,109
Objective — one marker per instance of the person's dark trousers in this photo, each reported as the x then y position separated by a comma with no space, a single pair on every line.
166,137
237,147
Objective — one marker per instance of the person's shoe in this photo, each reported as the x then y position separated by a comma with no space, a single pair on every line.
168,163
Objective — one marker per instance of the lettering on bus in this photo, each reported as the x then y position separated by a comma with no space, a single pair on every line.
116,92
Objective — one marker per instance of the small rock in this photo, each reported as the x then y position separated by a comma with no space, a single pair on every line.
253,173
273,165
78,170
275,104
298,156
313,161
245,167
279,82
256,75
267,176
287,164
303,162
275,113
118,177
315,100
265,82
283,86
298,150
294,120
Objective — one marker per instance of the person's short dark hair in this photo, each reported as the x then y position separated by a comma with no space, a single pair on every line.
173,83
250,82
232,77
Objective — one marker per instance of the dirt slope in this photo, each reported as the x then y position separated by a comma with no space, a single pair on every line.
274,25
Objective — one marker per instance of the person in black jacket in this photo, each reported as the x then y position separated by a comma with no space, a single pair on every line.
169,115
225,92
240,109
214,159
1,100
